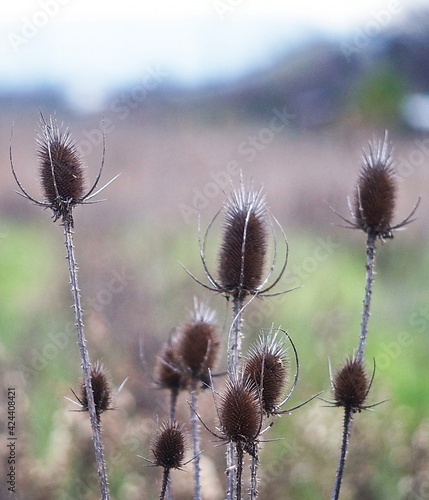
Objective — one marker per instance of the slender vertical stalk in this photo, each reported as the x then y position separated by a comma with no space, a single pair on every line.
254,462
239,476
195,441
173,403
370,264
165,483
234,349
86,367
347,426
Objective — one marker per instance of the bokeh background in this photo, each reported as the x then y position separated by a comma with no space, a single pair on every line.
190,95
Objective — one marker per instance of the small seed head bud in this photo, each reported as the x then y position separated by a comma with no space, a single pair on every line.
351,385
168,446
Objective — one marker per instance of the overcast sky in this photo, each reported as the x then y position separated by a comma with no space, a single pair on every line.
91,46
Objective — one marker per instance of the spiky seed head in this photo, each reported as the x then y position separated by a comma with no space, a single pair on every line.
100,388
170,372
351,385
61,169
266,367
240,412
198,343
244,244
375,195
168,446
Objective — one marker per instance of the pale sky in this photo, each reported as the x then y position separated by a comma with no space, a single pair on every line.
92,46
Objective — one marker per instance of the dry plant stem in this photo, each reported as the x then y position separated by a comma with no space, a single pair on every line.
234,348
239,451
347,426
370,264
86,367
195,441
254,462
173,403
165,483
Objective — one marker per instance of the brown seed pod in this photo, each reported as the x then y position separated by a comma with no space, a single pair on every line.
100,388
240,412
61,169
266,367
168,446
198,342
351,386
244,244
170,373
375,196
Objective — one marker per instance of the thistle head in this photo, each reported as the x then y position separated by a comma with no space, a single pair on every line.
244,244
61,169
198,343
168,445
351,385
240,412
100,389
375,194
170,372
266,368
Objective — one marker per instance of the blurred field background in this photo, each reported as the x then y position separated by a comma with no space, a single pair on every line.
173,148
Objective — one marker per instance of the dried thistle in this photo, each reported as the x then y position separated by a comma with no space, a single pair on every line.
198,343
373,205
168,448
100,388
351,386
61,172
266,367
170,372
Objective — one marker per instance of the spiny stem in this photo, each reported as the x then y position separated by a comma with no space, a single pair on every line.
86,367
165,483
254,462
234,349
347,426
239,450
370,264
195,441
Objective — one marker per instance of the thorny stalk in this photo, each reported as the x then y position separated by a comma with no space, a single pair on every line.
86,367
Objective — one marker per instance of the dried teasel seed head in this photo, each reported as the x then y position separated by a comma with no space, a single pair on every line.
240,412
170,373
168,446
351,385
375,196
61,169
266,367
100,388
244,244
198,343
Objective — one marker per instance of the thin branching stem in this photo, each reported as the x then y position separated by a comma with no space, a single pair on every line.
370,264
195,441
86,367
347,426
